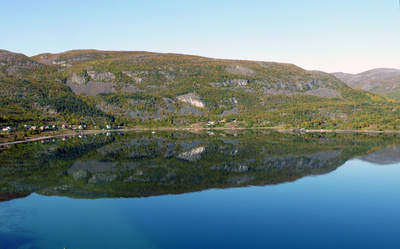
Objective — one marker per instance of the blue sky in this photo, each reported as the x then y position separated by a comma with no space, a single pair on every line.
329,35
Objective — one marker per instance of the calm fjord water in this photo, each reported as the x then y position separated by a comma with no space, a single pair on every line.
222,191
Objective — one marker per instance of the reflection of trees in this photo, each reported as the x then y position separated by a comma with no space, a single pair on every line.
141,164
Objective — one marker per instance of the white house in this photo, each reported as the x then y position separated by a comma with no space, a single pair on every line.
7,129
210,123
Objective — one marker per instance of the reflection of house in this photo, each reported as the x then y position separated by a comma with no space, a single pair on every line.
108,126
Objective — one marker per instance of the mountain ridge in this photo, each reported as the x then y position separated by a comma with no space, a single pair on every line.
385,81
136,88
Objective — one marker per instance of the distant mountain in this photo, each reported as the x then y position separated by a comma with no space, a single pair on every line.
384,81
154,89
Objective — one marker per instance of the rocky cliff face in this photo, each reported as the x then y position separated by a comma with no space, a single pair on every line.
234,82
76,79
101,76
192,99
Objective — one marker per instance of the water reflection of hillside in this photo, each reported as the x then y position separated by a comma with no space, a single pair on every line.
385,156
144,164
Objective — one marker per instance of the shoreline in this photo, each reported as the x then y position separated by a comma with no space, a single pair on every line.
278,129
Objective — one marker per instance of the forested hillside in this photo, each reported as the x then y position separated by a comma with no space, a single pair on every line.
153,89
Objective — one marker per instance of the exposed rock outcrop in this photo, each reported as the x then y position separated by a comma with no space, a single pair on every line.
76,79
93,88
234,82
232,111
185,109
101,75
233,101
192,99
134,76
236,69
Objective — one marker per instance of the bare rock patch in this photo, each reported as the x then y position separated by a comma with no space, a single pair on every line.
236,69
101,75
324,92
192,99
92,88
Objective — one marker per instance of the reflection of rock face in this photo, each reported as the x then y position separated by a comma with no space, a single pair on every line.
140,164
236,169
228,141
80,175
193,155
102,177
92,166
385,156
186,145
327,155
313,161
240,180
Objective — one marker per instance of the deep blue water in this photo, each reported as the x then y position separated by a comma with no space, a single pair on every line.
355,206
